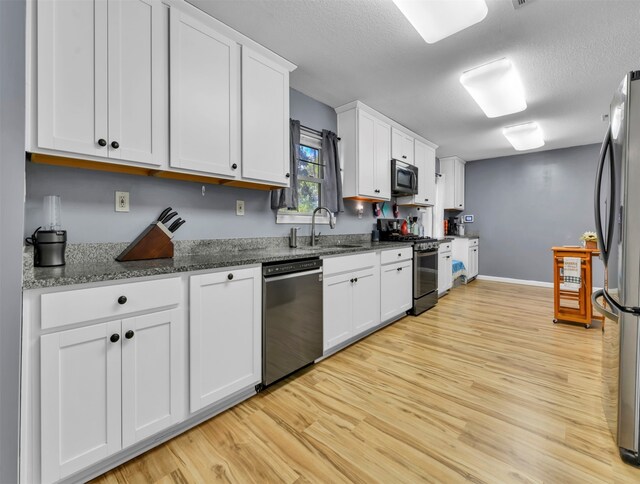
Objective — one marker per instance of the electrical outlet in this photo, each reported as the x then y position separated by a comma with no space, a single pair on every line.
239,207
122,201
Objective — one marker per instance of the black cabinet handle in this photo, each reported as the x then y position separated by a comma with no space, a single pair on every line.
287,175
102,142
122,300
230,276
115,338
399,269
426,199
404,156
115,145
448,257
399,255
234,166
129,334
355,280
351,281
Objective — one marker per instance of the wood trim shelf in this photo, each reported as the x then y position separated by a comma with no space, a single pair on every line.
141,171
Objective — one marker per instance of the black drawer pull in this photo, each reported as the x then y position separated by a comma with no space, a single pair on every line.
230,276
115,145
399,268
115,338
102,142
129,334
122,300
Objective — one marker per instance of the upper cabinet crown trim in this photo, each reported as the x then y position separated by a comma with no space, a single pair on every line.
456,158
227,31
386,119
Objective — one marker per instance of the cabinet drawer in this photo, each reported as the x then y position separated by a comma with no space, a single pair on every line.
70,307
473,242
444,247
396,255
348,263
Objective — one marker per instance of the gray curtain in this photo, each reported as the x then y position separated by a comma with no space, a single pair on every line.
288,197
332,186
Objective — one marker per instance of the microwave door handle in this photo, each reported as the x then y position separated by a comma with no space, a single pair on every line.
598,189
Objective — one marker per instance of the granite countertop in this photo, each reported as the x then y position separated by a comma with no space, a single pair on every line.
92,266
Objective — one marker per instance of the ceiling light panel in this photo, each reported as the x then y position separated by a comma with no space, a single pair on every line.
436,19
527,136
496,87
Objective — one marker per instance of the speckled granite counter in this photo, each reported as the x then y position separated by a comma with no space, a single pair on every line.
96,262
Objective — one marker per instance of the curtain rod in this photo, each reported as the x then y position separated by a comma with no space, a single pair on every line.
307,128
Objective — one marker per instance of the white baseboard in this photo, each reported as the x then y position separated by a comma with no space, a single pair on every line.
524,282
510,280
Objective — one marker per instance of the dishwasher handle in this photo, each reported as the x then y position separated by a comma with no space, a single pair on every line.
292,275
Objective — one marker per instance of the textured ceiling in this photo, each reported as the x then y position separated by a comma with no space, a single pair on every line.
571,55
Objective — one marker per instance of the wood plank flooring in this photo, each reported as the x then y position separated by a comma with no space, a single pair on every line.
482,388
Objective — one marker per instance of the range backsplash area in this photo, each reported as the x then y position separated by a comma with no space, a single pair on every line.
88,207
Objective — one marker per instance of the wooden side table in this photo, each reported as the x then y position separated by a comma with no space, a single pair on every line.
574,306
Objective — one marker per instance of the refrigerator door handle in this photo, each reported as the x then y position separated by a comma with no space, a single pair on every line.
603,155
600,308
615,304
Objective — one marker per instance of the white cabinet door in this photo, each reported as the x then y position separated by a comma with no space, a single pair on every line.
428,178
80,398
473,261
449,272
397,144
407,148
204,98
382,160
395,290
447,169
151,369
442,273
337,310
366,155
366,312
72,76
265,119
137,81
225,334
459,185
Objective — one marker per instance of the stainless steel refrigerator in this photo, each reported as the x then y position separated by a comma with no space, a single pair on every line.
617,213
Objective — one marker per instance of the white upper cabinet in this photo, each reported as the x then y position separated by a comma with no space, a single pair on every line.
401,146
365,155
137,81
72,76
204,97
453,169
265,119
425,161
101,83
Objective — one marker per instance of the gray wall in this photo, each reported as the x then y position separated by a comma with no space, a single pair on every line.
525,204
12,59
88,199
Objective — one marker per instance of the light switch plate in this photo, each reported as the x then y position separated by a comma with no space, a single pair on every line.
239,207
122,201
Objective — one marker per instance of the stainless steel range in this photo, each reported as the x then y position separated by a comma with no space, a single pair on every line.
425,264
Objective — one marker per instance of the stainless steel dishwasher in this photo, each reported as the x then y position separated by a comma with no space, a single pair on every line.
291,317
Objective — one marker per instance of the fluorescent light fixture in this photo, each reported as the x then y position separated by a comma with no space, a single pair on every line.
496,87
527,136
436,19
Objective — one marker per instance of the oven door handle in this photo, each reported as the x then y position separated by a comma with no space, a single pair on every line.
292,275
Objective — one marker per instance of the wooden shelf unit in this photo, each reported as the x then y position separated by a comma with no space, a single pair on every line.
573,306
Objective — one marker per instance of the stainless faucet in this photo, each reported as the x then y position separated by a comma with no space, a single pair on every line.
332,223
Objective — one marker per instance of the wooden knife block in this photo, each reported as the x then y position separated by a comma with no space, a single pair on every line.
153,243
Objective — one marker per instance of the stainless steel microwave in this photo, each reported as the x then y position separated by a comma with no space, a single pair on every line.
404,178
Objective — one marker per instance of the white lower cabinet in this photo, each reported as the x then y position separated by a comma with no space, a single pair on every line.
445,268
395,289
106,386
466,250
225,348
348,308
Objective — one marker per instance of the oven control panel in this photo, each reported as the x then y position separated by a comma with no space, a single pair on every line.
426,246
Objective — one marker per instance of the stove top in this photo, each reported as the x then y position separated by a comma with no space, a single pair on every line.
396,237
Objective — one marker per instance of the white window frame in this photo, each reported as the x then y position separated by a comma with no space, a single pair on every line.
314,141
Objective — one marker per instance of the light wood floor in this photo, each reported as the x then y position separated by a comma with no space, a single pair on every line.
482,388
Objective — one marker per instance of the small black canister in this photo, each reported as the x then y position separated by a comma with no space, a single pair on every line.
48,247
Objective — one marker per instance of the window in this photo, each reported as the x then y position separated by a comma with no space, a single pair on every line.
310,179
